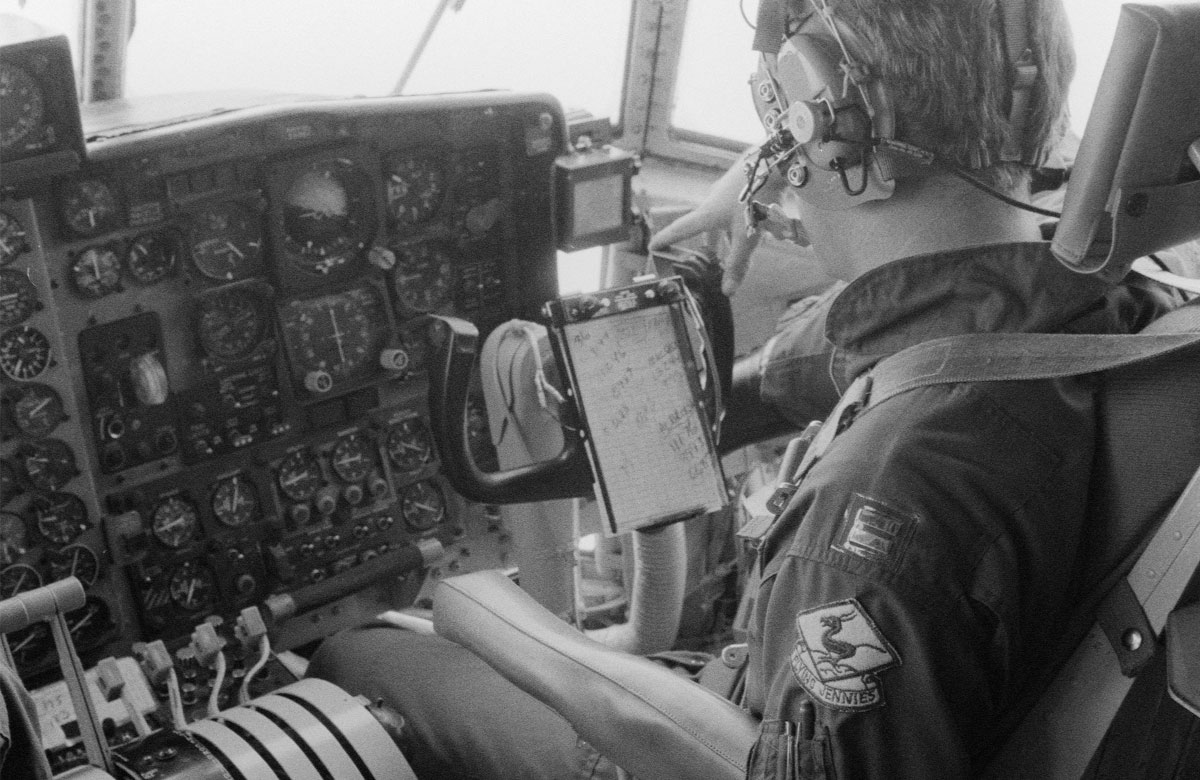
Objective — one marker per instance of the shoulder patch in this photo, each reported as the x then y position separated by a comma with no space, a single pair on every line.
839,655
874,530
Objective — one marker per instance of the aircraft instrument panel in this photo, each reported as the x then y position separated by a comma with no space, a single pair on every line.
213,341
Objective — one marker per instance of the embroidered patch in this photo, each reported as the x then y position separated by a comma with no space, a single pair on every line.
874,530
839,655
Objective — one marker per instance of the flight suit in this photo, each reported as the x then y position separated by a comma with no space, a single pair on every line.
916,579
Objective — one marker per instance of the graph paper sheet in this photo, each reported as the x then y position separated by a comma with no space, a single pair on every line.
634,373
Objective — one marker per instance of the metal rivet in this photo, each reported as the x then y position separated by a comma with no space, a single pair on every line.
1131,639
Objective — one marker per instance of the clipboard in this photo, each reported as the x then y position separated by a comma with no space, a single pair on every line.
634,375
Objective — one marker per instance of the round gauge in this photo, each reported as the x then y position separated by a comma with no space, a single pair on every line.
76,560
192,587
18,578
60,517
18,297
426,280
9,486
89,624
174,522
14,538
31,645
49,463
89,207
231,323
339,336
226,240
353,456
37,409
24,107
299,475
96,272
152,257
328,215
477,206
24,353
408,444
235,501
416,184
422,505
12,238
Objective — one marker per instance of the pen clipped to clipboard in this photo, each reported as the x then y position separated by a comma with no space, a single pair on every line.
636,378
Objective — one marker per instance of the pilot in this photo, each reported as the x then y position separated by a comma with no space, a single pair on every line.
915,583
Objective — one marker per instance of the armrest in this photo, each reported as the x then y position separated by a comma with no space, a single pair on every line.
643,717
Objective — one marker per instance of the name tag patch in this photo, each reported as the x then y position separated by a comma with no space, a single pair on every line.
874,530
839,654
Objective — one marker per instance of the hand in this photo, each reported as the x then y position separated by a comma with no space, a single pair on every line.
721,210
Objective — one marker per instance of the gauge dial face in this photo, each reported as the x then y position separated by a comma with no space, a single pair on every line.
49,463
30,645
235,501
89,623
152,257
226,240
353,456
96,272
422,505
60,517
328,215
24,107
426,280
231,323
24,353
14,538
89,207
76,560
18,578
416,185
192,587
174,522
408,444
477,205
37,409
340,335
13,241
299,475
9,487
18,297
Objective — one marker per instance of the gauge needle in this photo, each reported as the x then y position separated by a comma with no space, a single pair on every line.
96,267
233,248
426,507
21,645
337,335
9,297
191,590
91,214
35,410
294,479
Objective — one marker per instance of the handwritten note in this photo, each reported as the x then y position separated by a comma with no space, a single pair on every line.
652,454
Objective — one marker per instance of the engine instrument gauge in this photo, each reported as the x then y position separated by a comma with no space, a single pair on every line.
18,578
14,538
231,323
24,107
426,280
96,272
89,623
30,645
328,215
76,560
416,185
174,521
226,240
299,475
18,297
235,501
152,257
332,339
89,206
49,463
353,456
60,517
37,409
24,352
13,241
422,505
408,444
192,587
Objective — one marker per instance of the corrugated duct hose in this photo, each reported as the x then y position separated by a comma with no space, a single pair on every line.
543,538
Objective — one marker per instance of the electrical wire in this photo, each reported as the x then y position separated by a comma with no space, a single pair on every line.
997,194
214,705
264,655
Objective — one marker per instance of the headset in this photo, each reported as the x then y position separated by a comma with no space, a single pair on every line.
829,118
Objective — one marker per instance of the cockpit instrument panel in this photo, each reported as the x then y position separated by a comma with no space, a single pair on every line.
214,338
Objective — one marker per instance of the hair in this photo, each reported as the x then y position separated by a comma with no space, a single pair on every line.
944,66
